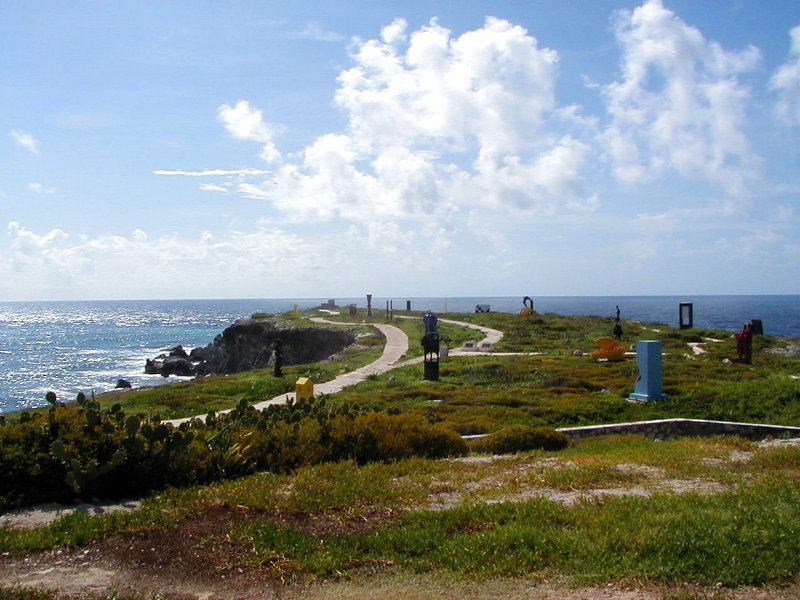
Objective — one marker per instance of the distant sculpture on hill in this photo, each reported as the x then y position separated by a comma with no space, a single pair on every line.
617,331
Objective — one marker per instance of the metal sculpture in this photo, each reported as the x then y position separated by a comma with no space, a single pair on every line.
277,353
430,346
527,307
617,330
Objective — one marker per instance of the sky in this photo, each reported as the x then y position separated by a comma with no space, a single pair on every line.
264,149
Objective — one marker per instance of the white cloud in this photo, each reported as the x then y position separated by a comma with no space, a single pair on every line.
26,140
395,32
123,264
679,105
27,242
263,260
436,124
491,86
786,82
39,188
247,123
210,187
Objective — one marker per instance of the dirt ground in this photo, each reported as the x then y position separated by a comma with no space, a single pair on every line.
196,559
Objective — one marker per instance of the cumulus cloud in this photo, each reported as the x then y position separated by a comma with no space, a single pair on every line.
786,82
245,263
247,123
28,242
26,140
124,264
436,124
679,106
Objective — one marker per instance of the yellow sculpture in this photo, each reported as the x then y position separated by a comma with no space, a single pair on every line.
609,348
304,388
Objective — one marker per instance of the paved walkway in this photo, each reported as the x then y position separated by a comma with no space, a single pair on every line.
395,349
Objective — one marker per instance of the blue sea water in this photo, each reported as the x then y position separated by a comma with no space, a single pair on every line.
71,347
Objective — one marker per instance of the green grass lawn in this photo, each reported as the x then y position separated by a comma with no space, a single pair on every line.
626,517
556,388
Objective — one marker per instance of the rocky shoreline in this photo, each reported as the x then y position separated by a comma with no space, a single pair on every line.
250,344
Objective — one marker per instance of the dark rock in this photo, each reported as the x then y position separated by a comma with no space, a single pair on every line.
249,344
123,383
178,351
175,365
203,353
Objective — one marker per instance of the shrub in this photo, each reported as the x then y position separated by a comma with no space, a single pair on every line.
83,451
519,438
384,437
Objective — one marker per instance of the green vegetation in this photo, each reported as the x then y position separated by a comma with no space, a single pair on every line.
744,529
519,438
345,487
83,451
220,392
705,539
558,389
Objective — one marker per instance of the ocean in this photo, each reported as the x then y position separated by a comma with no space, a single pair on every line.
71,347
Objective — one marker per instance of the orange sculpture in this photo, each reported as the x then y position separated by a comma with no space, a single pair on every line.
609,348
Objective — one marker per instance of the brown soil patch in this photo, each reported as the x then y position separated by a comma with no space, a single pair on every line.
195,558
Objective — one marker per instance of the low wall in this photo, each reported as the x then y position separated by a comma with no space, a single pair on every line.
675,428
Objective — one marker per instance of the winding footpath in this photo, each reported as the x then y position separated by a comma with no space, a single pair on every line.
395,349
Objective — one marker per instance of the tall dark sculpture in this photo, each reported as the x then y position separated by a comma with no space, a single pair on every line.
430,347
431,322
617,331
744,345
277,353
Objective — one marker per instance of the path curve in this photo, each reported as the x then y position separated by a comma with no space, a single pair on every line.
492,335
395,348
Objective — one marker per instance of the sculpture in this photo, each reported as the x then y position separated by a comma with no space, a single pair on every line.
617,331
610,349
526,309
430,321
744,345
430,347
277,353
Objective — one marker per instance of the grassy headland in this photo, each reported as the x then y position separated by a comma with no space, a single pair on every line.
697,518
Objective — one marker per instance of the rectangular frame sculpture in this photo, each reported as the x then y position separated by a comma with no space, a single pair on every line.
685,315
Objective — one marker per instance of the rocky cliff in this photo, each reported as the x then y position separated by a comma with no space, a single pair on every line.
249,344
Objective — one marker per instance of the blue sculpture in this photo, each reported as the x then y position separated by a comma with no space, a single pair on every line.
648,359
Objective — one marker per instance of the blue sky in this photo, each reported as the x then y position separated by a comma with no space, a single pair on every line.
321,149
